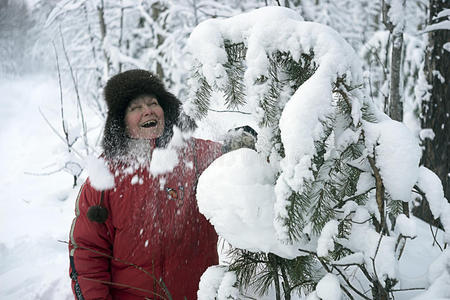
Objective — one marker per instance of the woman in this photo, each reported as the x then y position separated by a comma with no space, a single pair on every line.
144,238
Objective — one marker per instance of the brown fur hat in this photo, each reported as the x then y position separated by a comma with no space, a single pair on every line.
119,91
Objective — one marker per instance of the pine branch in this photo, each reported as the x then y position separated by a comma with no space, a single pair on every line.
202,95
328,269
235,90
270,100
297,212
297,72
274,270
230,111
350,285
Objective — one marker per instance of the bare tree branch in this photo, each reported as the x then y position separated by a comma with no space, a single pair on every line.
75,84
57,133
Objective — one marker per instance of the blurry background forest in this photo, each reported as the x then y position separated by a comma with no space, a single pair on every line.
71,47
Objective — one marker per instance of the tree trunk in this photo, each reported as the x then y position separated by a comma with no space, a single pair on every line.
395,97
395,107
435,112
103,32
157,9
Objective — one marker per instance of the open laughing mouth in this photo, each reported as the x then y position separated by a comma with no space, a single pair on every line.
150,124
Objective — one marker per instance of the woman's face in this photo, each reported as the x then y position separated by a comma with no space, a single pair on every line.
144,118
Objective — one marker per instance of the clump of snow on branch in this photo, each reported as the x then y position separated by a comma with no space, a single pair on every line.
227,290
444,24
99,174
397,155
217,283
430,184
326,239
262,32
396,14
205,42
328,288
378,250
405,226
426,133
439,279
236,193
210,282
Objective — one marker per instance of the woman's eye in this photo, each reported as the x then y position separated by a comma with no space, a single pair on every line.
153,103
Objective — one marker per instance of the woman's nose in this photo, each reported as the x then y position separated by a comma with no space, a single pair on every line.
146,109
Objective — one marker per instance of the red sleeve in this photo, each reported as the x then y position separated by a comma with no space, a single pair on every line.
206,152
90,249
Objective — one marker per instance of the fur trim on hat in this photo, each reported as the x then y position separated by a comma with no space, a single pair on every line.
119,91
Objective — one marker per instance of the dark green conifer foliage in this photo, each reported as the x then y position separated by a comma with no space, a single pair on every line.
261,270
235,90
202,95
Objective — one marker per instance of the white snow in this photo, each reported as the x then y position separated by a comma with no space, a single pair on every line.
365,183
354,258
236,194
447,46
378,252
326,239
396,14
227,290
397,156
163,160
439,279
426,133
134,179
443,13
205,41
431,185
35,210
405,226
443,25
99,175
210,282
329,288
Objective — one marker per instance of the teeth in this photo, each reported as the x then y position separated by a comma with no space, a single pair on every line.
151,123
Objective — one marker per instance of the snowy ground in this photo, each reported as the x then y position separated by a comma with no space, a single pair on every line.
36,211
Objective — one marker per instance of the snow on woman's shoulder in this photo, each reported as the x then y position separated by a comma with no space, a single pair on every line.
99,174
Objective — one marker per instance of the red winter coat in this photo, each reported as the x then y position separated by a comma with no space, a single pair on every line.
153,224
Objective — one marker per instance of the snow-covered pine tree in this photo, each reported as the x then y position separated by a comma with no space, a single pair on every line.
324,201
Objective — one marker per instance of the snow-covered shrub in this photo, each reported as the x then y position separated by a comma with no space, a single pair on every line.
325,200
